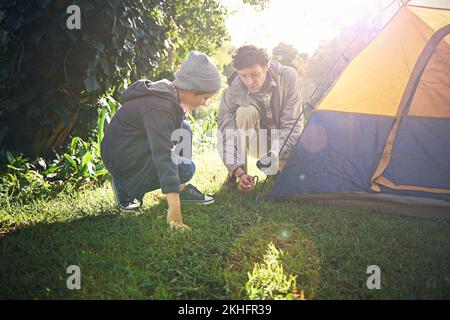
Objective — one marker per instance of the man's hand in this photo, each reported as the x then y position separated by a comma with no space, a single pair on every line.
246,182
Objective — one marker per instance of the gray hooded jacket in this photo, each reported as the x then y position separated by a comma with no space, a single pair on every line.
137,145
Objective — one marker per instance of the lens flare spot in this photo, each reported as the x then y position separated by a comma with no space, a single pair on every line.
315,138
285,234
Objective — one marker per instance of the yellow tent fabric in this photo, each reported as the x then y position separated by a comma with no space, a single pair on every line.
376,79
434,18
432,97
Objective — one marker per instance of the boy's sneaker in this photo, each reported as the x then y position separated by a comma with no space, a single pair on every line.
122,199
192,194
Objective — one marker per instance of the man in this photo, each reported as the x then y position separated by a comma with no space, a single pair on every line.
138,145
263,96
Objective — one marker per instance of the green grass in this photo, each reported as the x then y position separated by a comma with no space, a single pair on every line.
136,256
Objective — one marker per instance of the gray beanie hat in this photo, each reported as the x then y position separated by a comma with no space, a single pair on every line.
198,73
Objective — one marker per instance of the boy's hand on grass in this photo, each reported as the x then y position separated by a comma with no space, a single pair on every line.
175,221
174,218
178,225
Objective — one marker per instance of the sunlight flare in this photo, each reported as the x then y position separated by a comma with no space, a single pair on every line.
303,24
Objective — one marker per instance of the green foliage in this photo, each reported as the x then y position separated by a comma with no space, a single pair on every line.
204,131
287,55
268,280
25,181
81,162
194,25
53,74
22,179
79,165
259,4
108,107
223,59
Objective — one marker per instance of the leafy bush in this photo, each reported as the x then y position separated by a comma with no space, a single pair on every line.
204,131
268,280
22,179
80,164
50,75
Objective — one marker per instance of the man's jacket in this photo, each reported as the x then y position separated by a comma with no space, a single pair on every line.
285,103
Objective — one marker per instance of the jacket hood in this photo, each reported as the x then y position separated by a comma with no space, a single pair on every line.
143,88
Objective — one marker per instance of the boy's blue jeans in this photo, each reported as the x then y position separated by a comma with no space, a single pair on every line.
186,168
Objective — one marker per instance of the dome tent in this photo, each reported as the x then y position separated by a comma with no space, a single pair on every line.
380,137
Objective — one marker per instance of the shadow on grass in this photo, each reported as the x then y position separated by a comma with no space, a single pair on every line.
135,256
125,256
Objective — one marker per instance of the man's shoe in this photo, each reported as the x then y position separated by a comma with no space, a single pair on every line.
122,199
230,184
192,194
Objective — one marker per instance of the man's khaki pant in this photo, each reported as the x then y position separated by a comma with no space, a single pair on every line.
247,120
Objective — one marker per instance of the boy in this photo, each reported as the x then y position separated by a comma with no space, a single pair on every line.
137,146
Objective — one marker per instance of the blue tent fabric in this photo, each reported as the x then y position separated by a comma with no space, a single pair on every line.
337,152
421,156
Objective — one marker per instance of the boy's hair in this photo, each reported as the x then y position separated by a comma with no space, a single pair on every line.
249,55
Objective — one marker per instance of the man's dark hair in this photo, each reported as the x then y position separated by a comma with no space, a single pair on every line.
249,55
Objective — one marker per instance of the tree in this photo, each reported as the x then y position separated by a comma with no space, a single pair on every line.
223,58
287,55
258,4
53,76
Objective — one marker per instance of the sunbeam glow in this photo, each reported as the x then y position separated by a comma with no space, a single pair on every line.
302,23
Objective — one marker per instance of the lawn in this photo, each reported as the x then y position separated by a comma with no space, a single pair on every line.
136,256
